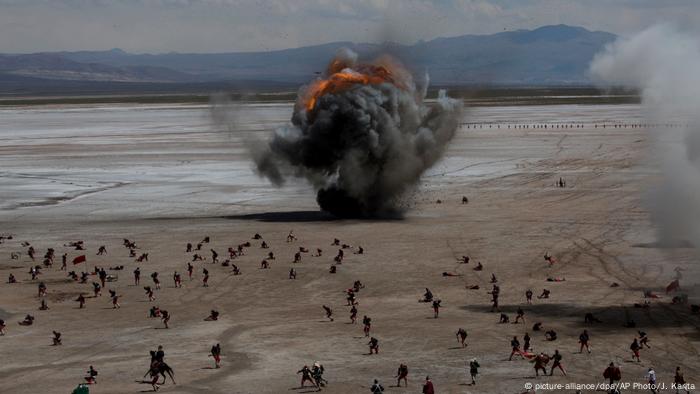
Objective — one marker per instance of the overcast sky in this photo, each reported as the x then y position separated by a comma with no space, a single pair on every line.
158,26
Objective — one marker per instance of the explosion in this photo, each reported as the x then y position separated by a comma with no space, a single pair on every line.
342,78
361,135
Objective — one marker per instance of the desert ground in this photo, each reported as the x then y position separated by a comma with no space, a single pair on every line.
166,175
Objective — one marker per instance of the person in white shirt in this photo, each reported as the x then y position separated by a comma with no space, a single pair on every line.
651,379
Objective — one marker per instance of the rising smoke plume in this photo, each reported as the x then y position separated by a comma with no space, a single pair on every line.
361,135
664,64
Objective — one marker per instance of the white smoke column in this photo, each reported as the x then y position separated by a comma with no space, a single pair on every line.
664,63
362,135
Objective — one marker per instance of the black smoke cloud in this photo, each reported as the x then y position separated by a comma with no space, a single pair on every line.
364,146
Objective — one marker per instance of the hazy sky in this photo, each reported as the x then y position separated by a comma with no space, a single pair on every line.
249,25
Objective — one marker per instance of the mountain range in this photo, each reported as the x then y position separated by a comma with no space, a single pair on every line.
549,55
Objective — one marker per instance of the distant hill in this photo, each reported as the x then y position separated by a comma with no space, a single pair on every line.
549,55
62,67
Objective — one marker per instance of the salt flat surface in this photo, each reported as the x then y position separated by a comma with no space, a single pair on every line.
177,160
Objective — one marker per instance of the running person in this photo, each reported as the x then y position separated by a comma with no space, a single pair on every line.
156,281
557,363
92,376
635,347
402,374
643,340
494,297
515,345
428,387
56,338
436,308
520,315
42,289
583,340
376,388
216,353
329,312
367,322
473,369
115,299
165,316
373,345
353,314
526,342
149,293
81,300
462,337
679,381
541,361
317,374
612,373
205,280
96,289
651,379
306,376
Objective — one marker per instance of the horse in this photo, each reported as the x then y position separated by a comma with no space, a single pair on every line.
162,368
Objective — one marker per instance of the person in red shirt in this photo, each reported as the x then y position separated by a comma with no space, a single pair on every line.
428,386
612,373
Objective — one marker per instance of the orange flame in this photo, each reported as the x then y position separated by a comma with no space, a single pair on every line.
342,78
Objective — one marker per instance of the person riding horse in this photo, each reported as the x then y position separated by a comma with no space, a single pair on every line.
159,367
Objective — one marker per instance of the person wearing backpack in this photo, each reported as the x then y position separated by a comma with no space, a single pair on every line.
474,369
376,387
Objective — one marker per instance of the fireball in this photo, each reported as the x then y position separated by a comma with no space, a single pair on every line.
343,75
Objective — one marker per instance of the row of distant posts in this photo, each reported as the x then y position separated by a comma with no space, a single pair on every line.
573,125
